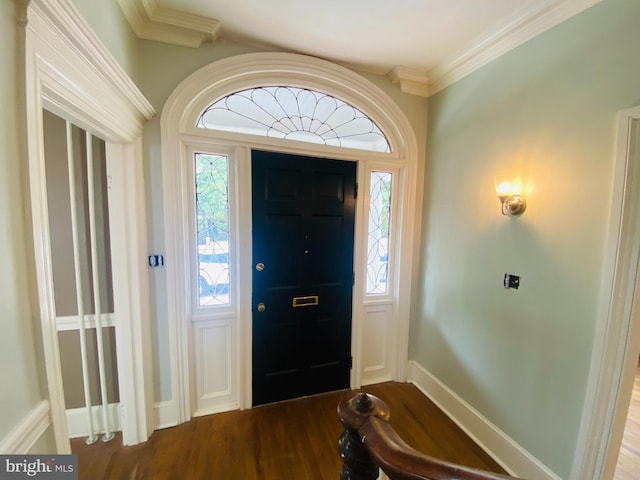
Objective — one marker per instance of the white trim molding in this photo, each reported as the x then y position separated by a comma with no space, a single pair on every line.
515,459
165,414
77,420
162,24
72,322
155,22
411,80
62,24
26,433
70,73
131,291
616,346
540,17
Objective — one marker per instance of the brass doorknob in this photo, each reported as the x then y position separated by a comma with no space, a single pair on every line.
261,307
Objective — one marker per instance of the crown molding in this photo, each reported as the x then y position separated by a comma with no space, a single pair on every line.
22,12
162,24
153,22
538,19
411,80
60,21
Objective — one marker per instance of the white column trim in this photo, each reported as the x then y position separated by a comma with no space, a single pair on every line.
131,290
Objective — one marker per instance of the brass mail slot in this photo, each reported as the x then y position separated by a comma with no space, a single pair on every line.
305,301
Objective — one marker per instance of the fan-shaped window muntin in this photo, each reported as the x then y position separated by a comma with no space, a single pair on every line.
294,113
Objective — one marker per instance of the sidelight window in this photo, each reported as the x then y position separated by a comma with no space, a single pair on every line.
295,114
379,233
212,228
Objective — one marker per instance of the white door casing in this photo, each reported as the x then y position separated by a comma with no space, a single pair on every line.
69,72
617,337
180,138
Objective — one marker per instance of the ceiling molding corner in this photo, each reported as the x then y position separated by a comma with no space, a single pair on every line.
526,26
59,22
161,24
411,80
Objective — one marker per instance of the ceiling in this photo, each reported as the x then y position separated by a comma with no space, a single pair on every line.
430,40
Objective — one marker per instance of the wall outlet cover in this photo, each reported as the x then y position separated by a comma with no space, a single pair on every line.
511,281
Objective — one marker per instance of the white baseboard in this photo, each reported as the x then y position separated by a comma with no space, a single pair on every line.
27,432
165,415
504,450
77,420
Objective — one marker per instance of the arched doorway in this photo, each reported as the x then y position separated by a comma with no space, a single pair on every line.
202,337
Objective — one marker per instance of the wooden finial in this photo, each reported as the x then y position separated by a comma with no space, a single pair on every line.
363,403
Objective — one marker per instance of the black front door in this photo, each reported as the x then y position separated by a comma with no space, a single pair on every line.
303,237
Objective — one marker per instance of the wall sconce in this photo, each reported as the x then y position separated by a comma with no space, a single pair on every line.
513,204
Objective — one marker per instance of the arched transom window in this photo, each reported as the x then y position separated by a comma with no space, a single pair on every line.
295,114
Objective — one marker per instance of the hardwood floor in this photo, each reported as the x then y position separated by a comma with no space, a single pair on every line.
628,467
294,440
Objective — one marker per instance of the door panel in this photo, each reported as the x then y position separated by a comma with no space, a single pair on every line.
303,219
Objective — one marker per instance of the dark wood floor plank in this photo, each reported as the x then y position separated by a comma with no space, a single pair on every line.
290,440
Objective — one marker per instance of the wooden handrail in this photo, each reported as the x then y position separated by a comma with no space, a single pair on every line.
369,442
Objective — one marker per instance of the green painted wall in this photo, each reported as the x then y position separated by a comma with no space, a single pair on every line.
161,68
110,25
19,378
544,115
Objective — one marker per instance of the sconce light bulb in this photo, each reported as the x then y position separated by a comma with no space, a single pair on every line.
503,191
513,204
504,188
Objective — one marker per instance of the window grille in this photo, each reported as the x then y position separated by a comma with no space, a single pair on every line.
295,114
212,228
379,233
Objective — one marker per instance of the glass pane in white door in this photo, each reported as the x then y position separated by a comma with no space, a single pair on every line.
212,228
378,241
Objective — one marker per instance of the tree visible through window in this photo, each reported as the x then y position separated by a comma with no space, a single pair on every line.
212,228
378,244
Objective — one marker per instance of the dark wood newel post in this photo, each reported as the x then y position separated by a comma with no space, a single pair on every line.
353,411
369,442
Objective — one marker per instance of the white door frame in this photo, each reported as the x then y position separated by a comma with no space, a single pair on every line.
178,133
69,72
617,337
